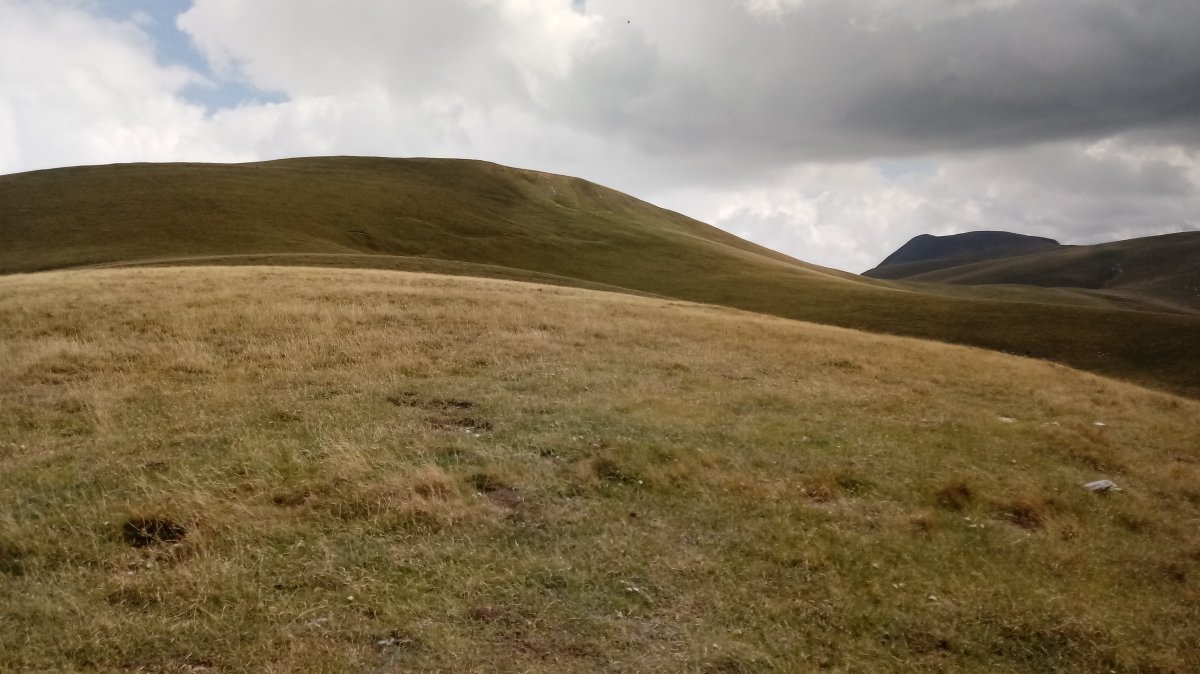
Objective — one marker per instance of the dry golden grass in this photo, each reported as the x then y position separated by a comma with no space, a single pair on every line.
298,470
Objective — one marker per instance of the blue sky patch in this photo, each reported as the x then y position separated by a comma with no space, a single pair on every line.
173,47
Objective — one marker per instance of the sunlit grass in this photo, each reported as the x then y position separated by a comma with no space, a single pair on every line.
331,470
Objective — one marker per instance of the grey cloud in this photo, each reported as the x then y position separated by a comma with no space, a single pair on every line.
733,93
846,79
1072,192
1042,71
1120,170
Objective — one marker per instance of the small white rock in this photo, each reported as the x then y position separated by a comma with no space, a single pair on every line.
1101,486
391,642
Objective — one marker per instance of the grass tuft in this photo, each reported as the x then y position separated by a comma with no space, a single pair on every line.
956,496
1025,513
141,532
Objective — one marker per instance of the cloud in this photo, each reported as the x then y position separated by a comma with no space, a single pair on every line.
78,88
495,51
736,88
777,82
851,215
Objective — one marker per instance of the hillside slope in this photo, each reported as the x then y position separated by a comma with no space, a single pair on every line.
318,470
927,253
449,209
1165,267
397,213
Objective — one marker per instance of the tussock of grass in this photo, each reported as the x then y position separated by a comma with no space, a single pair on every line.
642,486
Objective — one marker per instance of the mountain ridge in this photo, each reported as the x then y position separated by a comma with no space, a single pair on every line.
928,252
1163,267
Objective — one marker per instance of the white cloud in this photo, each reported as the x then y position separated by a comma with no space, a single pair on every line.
76,88
852,215
493,49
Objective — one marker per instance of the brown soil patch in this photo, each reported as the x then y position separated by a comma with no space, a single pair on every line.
955,496
410,399
141,532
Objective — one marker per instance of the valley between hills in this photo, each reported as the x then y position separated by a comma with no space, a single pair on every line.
359,414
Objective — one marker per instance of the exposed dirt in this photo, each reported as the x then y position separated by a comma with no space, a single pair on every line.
141,532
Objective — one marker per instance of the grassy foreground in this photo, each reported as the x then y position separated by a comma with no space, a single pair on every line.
299,470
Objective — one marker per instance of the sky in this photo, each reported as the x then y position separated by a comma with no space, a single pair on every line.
830,130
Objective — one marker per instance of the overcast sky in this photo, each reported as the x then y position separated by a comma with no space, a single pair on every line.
832,130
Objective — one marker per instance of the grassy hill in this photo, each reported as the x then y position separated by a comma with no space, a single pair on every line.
926,253
448,209
1161,268
250,469
471,217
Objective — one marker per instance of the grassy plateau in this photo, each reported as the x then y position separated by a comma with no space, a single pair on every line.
473,218
267,469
